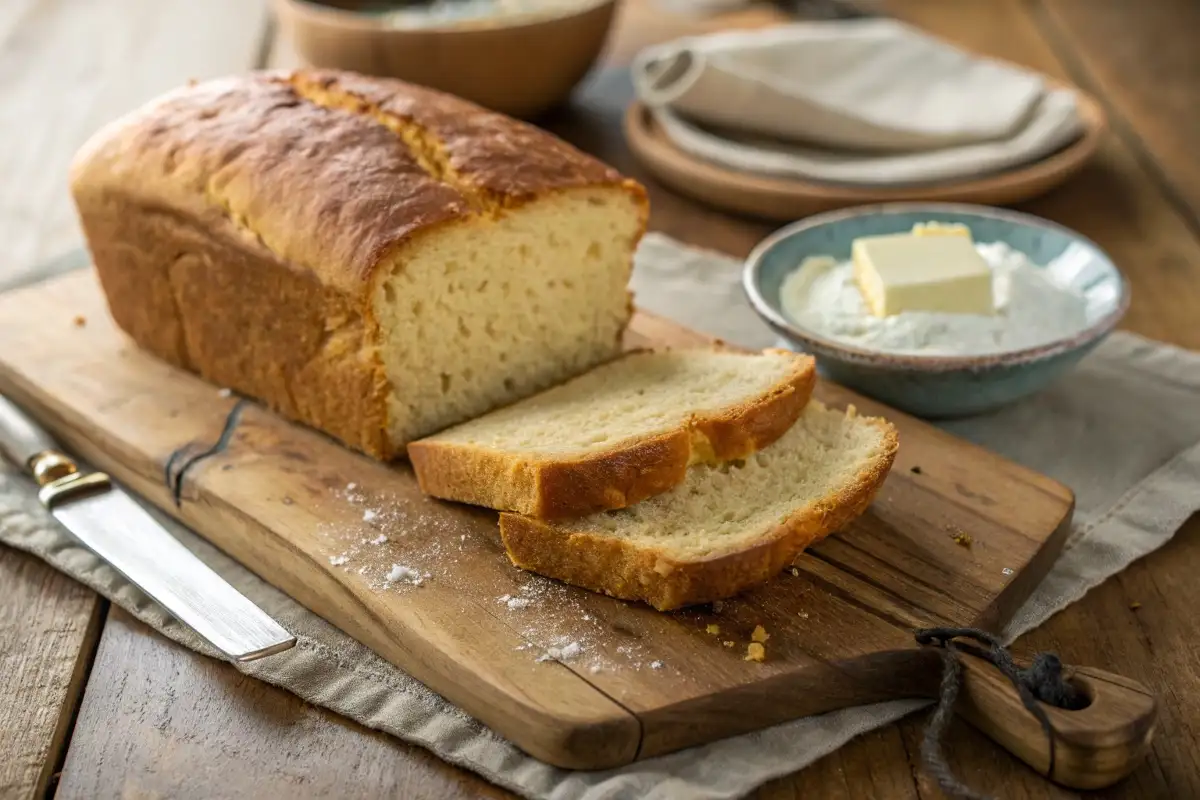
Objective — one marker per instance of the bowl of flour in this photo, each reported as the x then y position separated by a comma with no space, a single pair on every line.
1056,293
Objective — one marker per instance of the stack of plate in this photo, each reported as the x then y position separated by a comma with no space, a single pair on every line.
802,118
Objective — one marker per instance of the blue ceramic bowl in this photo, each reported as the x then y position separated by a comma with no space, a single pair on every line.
939,386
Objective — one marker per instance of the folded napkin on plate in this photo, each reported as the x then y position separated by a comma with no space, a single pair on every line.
864,101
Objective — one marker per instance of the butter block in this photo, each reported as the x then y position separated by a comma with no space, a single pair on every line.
941,229
906,272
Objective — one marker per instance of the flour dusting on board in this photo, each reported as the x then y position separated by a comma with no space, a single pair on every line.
383,545
402,544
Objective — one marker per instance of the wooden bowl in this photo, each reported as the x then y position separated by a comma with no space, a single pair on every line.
786,199
520,66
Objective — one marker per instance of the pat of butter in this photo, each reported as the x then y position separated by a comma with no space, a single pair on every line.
905,272
941,229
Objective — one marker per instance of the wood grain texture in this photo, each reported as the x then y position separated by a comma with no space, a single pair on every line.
173,723
271,499
48,628
70,67
79,65
1151,80
1095,746
1153,643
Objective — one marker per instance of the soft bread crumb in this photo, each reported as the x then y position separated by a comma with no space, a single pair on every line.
491,311
821,474
755,652
728,644
713,629
760,634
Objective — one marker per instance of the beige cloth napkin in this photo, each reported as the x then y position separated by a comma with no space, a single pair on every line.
864,101
1122,431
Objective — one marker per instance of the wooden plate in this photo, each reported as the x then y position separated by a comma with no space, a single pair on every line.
780,198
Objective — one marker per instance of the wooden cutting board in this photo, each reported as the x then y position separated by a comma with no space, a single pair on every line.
290,504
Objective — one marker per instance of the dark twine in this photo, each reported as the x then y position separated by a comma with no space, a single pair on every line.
185,457
1043,681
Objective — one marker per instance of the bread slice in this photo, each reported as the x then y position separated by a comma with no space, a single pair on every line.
620,433
726,528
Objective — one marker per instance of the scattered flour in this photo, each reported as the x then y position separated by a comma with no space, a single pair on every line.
1031,309
370,515
337,561
551,621
399,572
656,665
225,392
564,652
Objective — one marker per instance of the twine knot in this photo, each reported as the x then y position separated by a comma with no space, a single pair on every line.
1043,680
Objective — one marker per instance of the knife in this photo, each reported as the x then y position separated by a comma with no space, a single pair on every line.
110,524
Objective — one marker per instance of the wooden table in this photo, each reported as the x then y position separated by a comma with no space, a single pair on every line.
93,704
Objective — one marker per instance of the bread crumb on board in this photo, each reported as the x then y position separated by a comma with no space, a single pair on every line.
713,630
760,634
755,652
79,321
729,643
1134,606
962,539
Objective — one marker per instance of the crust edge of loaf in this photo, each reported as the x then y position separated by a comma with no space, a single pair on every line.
620,476
620,569
101,183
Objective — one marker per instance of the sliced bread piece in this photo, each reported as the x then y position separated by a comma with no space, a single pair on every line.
620,433
727,527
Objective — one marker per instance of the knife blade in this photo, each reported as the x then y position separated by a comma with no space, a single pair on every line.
107,521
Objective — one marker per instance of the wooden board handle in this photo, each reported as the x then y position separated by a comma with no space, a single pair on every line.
1095,746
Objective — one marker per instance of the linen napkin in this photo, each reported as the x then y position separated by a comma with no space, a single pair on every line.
859,101
1121,431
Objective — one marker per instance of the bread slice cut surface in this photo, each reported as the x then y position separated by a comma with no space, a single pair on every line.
727,527
618,434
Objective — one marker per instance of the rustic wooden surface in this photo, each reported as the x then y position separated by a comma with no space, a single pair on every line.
71,67
271,500
158,720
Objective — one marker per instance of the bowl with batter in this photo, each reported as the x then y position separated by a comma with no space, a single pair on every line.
1056,295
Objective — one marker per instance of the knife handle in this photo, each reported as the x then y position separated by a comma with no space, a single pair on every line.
20,437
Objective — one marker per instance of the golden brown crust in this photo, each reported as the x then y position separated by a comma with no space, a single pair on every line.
622,569
627,473
236,227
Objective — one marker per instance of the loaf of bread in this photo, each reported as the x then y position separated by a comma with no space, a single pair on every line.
620,433
371,258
